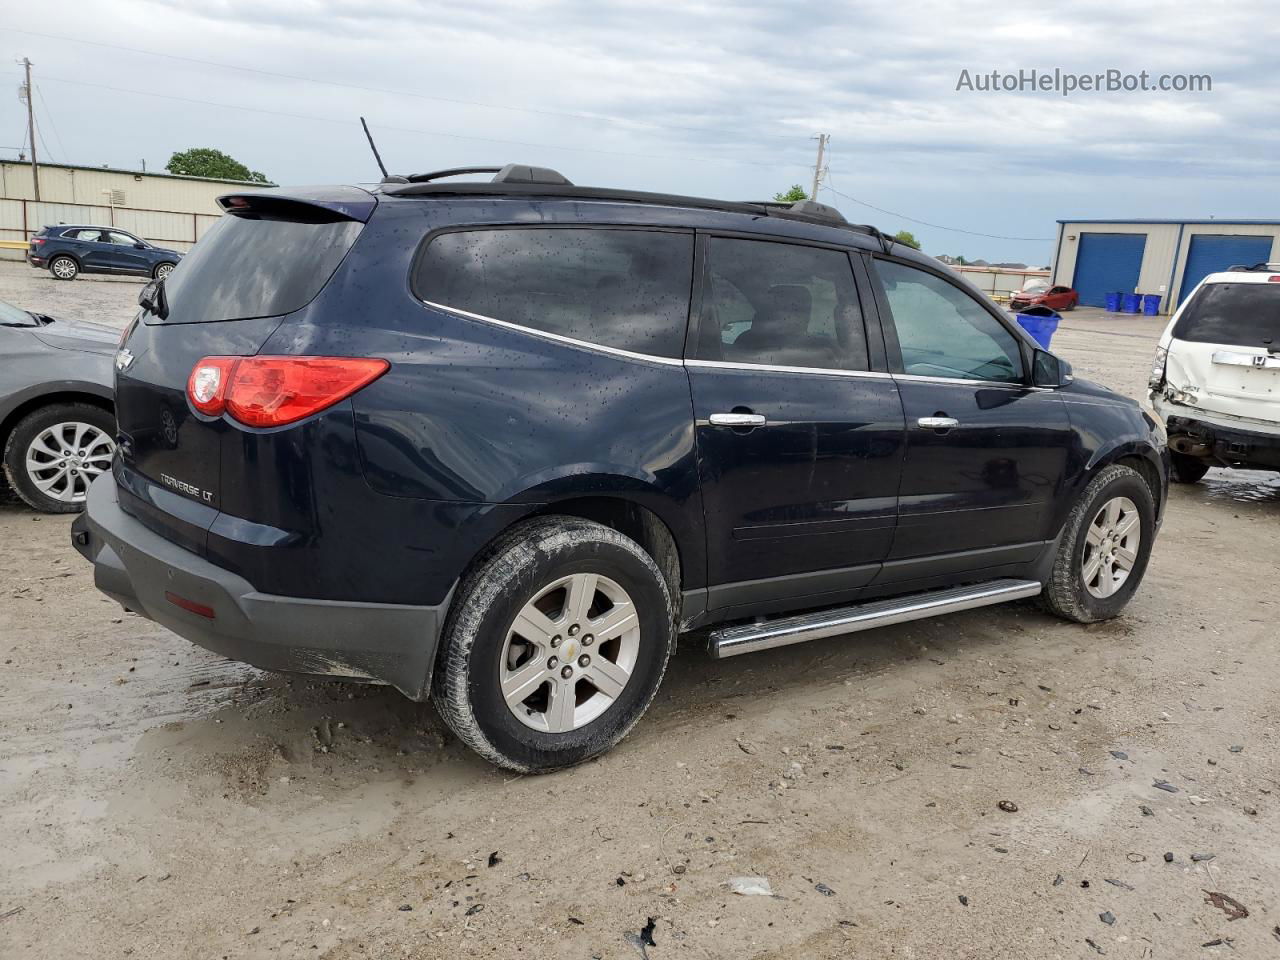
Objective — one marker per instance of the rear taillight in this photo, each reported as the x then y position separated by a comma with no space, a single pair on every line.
273,391
1273,279
36,241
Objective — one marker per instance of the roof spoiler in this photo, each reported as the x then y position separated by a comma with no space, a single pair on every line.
323,203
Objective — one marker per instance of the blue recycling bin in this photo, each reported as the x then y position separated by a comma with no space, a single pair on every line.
1131,303
1040,322
1150,304
1113,303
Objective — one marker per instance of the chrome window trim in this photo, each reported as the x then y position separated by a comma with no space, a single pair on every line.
777,368
961,381
557,337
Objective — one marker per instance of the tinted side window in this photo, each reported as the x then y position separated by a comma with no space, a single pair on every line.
1243,314
627,289
780,304
943,331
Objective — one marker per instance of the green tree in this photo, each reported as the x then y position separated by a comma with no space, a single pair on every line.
207,162
908,238
793,195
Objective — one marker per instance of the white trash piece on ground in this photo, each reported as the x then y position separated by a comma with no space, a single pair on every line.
751,886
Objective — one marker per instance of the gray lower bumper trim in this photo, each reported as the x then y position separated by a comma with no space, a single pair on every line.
390,643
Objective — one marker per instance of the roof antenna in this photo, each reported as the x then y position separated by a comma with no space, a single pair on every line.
372,146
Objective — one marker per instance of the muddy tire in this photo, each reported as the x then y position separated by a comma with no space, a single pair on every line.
555,645
1186,469
1104,549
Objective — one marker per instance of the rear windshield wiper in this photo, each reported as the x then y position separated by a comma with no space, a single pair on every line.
153,299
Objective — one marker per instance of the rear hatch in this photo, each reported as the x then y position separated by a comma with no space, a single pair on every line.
1226,348
269,256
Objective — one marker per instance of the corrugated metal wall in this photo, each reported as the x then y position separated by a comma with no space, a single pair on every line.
1165,256
169,211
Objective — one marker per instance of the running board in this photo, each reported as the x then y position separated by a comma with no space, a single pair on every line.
732,641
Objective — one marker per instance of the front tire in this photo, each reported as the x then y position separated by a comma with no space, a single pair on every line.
54,453
555,646
64,268
1186,469
1104,549
162,270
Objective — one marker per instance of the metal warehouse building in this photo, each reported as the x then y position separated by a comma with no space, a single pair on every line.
1166,257
166,209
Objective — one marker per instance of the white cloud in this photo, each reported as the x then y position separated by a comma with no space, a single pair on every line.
716,98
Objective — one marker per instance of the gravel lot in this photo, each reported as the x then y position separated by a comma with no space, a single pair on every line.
156,801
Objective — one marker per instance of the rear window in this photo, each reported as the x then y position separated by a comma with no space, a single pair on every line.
1232,313
256,266
627,289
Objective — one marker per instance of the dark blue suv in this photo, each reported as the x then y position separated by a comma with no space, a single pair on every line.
68,251
502,442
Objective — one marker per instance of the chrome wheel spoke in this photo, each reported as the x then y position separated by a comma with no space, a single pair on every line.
535,626
617,620
1095,535
1127,525
522,682
46,484
1091,569
560,711
607,677
582,590
1125,558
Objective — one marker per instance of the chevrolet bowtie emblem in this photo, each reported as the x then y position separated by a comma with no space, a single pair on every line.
123,358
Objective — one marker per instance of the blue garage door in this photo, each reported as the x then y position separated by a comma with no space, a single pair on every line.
1108,263
1210,253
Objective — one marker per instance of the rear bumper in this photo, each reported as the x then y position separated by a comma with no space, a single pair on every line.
388,643
1228,445
36,261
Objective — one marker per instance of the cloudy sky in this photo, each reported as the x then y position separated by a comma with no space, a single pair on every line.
718,99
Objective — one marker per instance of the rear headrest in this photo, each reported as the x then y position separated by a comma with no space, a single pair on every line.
791,300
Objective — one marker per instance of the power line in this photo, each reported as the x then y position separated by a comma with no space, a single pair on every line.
541,111
936,226
62,147
430,133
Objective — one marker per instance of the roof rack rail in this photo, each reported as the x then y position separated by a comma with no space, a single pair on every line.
1263,267
511,173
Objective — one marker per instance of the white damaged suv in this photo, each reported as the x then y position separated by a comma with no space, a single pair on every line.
1216,378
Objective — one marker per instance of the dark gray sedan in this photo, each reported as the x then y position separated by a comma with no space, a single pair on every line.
57,417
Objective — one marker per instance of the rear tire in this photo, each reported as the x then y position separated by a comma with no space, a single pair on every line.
1090,580
1186,469
521,677
64,268
55,452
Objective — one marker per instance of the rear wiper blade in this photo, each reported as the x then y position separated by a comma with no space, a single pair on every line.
153,299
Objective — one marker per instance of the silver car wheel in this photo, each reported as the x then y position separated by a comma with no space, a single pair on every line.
1111,547
570,653
63,268
65,458
164,270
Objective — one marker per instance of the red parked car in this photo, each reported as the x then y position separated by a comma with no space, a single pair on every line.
1038,293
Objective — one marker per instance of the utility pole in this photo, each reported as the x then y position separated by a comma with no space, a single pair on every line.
31,127
818,170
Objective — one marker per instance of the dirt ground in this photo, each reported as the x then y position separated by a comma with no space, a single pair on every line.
156,801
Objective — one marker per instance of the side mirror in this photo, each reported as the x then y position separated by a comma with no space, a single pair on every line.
139,245
1050,371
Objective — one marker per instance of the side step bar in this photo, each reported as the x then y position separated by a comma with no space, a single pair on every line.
732,641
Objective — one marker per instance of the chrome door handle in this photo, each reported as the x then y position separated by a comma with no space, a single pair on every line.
938,423
737,420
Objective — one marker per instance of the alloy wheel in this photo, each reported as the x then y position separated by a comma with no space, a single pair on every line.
63,268
65,458
1111,547
570,653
